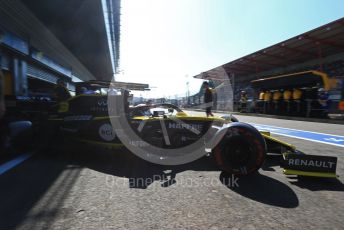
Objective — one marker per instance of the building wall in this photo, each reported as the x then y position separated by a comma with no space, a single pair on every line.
28,49
18,20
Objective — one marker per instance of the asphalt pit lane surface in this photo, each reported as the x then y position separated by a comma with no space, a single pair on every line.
263,189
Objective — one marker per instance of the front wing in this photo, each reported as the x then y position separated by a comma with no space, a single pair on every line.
295,162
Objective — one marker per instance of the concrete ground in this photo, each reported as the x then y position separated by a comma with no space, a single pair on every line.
93,189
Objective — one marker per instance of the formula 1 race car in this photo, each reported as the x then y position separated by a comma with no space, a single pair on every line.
165,134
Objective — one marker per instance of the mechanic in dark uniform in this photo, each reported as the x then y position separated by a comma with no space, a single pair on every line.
323,100
61,92
208,99
243,102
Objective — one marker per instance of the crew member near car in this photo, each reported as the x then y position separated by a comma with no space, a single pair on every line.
208,99
287,95
297,94
323,99
277,95
243,101
267,96
61,92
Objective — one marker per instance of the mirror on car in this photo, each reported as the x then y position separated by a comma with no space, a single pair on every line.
158,113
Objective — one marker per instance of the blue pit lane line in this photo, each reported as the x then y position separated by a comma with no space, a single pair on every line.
13,163
304,135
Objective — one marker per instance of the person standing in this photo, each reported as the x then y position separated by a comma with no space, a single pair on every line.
61,92
208,99
323,99
243,102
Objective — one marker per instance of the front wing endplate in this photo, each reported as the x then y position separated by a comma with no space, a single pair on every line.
298,163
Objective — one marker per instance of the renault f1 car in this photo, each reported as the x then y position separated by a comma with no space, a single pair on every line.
165,134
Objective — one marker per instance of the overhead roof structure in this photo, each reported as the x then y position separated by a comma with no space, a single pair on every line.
319,43
88,28
310,77
115,84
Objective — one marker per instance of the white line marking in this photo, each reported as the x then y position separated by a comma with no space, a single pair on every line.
307,139
13,163
296,130
297,137
334,139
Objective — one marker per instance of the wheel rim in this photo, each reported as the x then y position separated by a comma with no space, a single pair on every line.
237,153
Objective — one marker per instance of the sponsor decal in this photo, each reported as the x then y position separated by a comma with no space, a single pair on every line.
102,102
185,126
78,118
69,130
106,132
100,106
98,109
312,163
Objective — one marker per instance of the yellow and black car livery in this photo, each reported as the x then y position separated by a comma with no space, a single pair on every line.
238,148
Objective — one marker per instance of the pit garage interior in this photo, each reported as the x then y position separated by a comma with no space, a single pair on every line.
44,41
321,50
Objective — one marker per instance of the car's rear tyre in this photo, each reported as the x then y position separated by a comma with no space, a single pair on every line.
242,150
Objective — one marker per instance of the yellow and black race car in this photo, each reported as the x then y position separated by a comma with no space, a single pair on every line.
165,134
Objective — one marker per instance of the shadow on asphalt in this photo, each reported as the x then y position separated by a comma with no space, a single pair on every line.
310,183
30,182
47,179
263,189
318,184
142,173
139,172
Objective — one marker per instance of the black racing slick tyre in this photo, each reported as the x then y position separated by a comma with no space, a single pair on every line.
241,151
